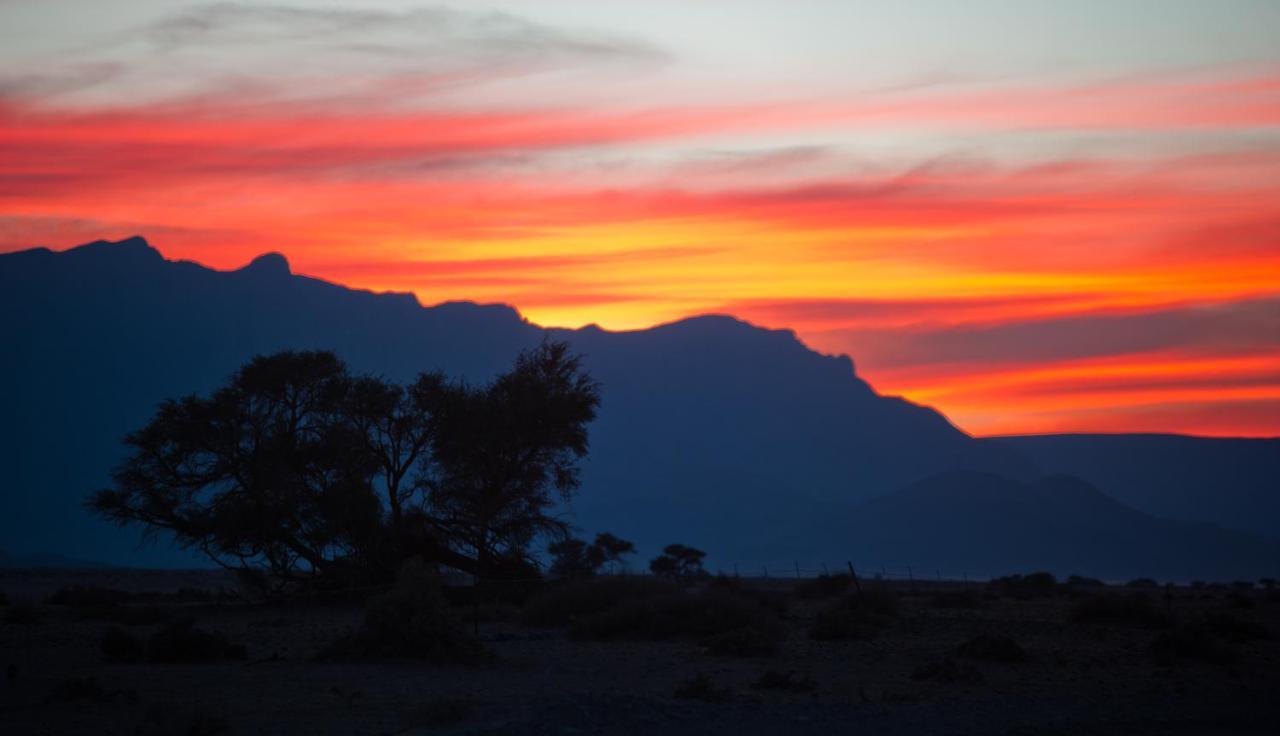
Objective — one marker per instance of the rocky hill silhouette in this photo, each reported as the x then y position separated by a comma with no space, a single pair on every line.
712,431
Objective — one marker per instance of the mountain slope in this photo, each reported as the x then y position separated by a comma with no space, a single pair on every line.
1234,483
713,432
984,524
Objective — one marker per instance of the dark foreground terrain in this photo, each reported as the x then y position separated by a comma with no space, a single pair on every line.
632,656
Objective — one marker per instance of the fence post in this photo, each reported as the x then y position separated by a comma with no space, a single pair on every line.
824,568
766,570
735,569
856,585
797,562
911,579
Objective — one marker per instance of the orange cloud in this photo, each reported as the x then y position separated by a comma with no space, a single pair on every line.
1016,295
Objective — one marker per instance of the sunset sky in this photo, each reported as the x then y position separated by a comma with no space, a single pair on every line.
1034,216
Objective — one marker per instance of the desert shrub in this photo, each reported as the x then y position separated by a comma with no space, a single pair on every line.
678,561
1191,642
678,614
947,670
4,599
1147,583
702,688
784,681
574,558
23,614
438,713
856,617
743,642
1034,585
1126,610
1080,581
118,645
824,586
77,688
992,648
81,596
412,619
1231,628
166,721
1238,599
563,603
966,598
181,641
148,615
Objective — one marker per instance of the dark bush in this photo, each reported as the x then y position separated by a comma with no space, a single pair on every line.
561,604
80,596
1023,587
785,681
4,599
413,619
77,688
856,616
701,688
947,671
1191,643
824,586
1231,628
962,599
1125,610
23,614
679,614
1236,599
439,713
127,615
181,641
1147,583
167,721
118,645
1080,581
992,648
743,642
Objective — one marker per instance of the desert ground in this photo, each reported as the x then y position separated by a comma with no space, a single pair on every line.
929,658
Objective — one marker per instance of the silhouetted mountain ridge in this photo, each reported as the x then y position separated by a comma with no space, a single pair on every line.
713,432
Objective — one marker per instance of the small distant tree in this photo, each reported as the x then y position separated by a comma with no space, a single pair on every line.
678,561
574,558
607,551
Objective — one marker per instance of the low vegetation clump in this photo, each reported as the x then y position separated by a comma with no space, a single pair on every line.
183,642
1191,642
992,648
1142,583
788,682
1025,587
81,596
562,604
682,613
23,614
855,617
700,687
1123,610
439,713
413,619
121,647
947,670
824,586
957,599
1080,581
742,642
4,599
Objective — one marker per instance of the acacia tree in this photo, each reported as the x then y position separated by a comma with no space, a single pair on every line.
285,468
506,452
265,471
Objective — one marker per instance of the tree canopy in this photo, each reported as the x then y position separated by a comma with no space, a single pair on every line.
304,471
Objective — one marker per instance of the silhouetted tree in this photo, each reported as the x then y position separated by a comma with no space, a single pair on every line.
265,471
504,452
284,469
574,558
678,561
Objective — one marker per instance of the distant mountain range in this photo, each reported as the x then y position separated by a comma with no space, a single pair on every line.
713,432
